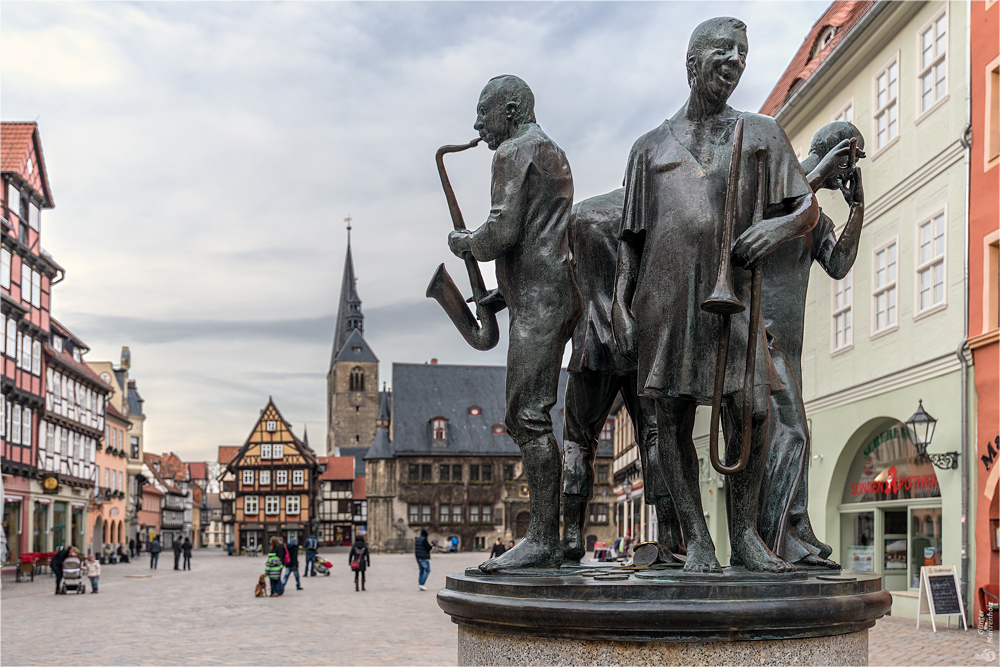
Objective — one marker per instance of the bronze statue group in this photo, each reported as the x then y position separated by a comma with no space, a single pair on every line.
626,277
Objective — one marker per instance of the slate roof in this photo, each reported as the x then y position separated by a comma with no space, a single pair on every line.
421,392
349,315
348,353
843,15
381,447
338,468
135,401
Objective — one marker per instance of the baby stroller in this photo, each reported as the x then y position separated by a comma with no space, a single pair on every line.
323,566
72,576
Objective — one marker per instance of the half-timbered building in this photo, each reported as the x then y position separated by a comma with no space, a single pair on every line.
335,509
275,476
26,276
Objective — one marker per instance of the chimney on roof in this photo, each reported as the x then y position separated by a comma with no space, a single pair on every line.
434,362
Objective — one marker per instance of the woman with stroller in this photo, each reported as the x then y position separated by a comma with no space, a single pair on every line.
57,563
359,561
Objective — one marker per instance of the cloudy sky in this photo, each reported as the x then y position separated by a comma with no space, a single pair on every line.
202,157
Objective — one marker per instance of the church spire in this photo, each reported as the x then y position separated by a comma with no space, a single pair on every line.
349,315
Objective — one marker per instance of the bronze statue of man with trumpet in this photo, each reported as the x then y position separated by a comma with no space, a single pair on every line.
526,235
706,176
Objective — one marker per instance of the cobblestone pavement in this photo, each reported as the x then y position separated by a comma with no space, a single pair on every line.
208,616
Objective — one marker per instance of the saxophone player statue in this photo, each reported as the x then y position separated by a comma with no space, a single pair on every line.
526,234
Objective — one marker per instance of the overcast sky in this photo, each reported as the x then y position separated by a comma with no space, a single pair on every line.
202,158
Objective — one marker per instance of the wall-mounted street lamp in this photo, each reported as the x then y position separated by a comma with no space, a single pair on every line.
921,427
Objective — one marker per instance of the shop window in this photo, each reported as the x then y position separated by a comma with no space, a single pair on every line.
925,540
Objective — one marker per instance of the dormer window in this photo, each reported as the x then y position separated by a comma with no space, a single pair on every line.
76,354
824,38
439,428
474,411
57,344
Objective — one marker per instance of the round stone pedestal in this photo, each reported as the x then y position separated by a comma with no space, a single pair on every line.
663,616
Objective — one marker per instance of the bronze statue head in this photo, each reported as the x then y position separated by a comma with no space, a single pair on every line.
505,103
716,58
825,140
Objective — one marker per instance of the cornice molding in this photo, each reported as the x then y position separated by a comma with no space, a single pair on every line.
913,181
928,370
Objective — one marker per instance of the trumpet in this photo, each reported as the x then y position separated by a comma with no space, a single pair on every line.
481,330
724,303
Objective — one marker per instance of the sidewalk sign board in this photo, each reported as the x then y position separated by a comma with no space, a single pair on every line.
940,594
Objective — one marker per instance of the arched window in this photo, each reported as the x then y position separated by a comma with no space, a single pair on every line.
439,428
357,379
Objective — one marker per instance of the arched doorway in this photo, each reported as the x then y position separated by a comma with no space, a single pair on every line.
521,524
890,506
97,533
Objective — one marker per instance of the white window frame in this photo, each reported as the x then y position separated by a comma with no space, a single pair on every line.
272,505
938,58
877,289
36,357
298,477
840,113
25,283
11,337
277,451
846,308
248,477
251,505
36,289
265,477
292,504
50,439
919,267
13,202
34,215
878,110
26,426
281,477
5,259
265,451
271,426
15,424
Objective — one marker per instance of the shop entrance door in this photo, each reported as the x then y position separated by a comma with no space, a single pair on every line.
12,529
858,540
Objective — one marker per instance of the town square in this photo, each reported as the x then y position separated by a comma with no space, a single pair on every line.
715,381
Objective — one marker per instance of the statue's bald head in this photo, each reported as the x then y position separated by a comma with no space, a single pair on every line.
506,89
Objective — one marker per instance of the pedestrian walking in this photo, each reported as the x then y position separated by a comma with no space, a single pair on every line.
293,564
93,567
154,553
422,549
311,545
186,548
359,560
131,547
56,565
498,548
273,567
177,554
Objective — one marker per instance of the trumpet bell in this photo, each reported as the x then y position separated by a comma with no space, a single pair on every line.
723,302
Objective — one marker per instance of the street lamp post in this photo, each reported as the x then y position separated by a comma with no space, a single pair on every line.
921,428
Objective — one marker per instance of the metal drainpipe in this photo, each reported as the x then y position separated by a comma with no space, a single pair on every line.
964,374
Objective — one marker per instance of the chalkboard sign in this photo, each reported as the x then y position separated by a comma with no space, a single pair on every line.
944,594
939,593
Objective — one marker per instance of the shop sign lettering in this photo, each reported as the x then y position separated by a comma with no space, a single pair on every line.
894,433
893,484
991,453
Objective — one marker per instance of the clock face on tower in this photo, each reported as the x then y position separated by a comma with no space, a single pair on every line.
357,398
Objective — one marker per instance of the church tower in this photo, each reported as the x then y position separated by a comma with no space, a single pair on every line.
352,381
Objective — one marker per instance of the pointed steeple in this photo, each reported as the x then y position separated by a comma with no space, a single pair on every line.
349,315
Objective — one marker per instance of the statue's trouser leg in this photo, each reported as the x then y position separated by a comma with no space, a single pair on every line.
679,463
783,521
642,410
743,488
589,396
533,364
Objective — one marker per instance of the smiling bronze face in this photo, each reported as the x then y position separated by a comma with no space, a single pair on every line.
717,57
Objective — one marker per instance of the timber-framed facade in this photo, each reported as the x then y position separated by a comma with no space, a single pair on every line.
274,479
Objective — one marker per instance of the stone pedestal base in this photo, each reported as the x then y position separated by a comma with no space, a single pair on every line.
476,647
615,616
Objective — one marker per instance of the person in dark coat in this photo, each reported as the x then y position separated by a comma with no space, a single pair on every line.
359,554
292,567
57,564
131,547
154,553
498,548
186,548
422,549
177,554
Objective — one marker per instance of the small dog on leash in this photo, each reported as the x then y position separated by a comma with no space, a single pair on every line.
260,590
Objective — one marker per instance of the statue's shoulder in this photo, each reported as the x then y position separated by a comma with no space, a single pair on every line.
763,125
651,139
